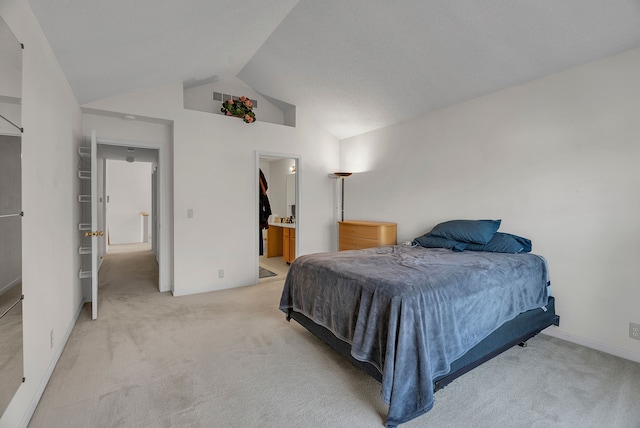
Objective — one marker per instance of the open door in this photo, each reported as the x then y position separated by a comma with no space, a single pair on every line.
88,199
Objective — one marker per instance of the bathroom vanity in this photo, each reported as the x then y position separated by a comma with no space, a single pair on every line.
281,241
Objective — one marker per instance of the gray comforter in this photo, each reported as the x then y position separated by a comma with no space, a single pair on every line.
411,311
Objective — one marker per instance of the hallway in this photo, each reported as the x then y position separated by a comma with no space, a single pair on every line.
127,269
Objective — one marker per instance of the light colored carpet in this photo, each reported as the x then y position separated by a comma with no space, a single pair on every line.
230,359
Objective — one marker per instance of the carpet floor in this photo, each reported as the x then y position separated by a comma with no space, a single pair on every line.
230,359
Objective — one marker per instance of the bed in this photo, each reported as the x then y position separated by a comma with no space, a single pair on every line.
416,318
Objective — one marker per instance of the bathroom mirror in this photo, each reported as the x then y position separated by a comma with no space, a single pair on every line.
11,353
291,195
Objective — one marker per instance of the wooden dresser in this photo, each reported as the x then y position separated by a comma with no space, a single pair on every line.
359,234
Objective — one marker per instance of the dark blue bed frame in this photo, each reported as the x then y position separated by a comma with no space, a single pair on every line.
514,332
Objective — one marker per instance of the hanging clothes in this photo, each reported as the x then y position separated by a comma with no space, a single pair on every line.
265,209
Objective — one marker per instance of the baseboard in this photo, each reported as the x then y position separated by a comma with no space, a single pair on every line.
54,361
192,291
613,350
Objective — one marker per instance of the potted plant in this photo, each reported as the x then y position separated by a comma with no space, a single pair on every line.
241,107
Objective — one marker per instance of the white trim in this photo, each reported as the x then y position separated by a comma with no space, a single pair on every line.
52,365
613,350
192,291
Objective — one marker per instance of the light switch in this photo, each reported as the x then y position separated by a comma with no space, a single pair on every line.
190,213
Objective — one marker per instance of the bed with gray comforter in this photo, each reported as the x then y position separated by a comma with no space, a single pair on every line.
411,311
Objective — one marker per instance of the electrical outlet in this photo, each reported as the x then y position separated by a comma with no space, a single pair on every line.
220,273
51,336
634,331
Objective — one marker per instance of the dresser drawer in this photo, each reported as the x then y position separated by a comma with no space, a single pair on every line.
360,231
355,243
360,234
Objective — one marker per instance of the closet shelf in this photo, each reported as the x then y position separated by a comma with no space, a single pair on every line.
84,273
84,250
84,226
84,175
84,198
84,152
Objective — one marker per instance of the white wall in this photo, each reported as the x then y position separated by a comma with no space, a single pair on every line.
212,174
128,194
214,167
50,237
556,159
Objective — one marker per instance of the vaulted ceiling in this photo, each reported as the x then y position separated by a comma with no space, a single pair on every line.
354,65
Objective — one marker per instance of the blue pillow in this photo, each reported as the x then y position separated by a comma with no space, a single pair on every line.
469,231
504,243
429,241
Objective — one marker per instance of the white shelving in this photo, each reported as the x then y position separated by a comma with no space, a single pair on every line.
84,199
84,152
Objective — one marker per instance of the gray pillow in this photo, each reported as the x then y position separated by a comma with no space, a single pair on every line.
504,243
469,231
429,241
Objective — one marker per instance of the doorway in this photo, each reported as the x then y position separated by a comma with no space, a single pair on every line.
129,203
128,199
280,241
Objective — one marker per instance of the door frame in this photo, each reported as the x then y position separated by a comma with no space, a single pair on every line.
256,197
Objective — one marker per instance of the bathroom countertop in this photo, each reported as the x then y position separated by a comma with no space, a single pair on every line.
289,225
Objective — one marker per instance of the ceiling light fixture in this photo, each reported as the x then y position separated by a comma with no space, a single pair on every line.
129,158
129,117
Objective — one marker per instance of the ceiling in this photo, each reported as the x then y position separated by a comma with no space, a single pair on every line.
354,66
